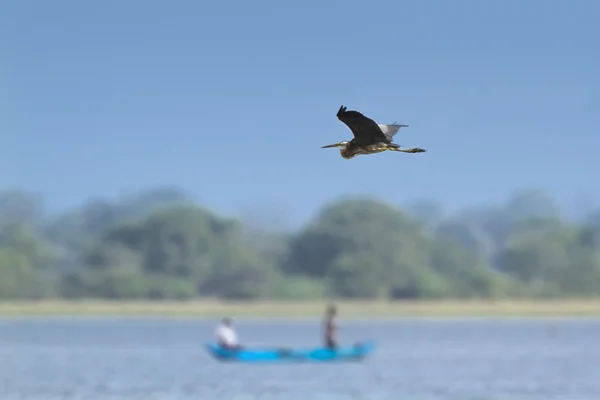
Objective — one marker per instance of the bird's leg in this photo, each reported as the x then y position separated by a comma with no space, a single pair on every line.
413,150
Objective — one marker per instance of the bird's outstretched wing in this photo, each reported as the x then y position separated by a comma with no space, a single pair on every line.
390,130
365,130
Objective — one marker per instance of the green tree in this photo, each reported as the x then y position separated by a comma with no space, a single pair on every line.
27,266
158,244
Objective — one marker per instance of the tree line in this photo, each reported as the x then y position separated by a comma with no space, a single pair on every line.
161,244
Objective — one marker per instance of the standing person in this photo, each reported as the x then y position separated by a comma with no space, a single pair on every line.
226,335
330,328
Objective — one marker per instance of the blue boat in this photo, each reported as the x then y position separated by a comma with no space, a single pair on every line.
356,352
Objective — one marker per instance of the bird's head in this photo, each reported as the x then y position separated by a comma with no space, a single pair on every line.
343,149
345,153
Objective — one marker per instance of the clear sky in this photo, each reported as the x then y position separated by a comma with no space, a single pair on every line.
231,100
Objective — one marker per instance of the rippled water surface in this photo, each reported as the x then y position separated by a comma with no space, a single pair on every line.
47,359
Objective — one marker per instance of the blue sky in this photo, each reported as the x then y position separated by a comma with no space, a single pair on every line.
231,100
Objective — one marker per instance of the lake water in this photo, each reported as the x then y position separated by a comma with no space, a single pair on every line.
164,359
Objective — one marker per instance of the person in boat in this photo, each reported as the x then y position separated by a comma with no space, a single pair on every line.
226,335
330,328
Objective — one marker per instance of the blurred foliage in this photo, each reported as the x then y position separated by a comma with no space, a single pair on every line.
160,244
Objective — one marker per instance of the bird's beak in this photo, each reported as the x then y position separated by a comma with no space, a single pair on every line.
333,145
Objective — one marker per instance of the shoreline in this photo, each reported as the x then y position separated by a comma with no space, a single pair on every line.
273,309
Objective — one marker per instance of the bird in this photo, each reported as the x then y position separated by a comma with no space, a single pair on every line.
369,136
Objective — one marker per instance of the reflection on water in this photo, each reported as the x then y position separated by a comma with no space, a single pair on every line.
47,359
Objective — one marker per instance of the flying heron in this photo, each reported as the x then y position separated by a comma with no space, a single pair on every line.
369,137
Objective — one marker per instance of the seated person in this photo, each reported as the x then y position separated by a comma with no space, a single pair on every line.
226,335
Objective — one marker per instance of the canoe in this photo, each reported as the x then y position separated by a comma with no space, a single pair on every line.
356,352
